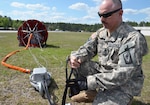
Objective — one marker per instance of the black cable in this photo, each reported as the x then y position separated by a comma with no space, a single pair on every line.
45,86
67,82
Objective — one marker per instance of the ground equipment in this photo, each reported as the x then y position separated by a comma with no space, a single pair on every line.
38,30
71,84
33,34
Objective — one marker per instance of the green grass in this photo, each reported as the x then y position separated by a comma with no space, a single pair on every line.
15,86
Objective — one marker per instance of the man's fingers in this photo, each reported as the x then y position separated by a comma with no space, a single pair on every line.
74,62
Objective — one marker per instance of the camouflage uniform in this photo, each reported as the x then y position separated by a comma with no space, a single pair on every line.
118,75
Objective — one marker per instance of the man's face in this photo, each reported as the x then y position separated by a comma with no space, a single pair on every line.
110,17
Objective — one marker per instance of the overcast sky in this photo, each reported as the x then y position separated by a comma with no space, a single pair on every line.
70,11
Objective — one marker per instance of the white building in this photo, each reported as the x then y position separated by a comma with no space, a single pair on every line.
144,30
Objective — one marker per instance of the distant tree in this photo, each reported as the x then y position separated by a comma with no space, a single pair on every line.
132,23
142,23
147,24
7,22
16,24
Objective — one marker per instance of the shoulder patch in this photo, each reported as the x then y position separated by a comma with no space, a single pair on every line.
94,35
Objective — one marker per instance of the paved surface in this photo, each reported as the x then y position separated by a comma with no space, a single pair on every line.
144,30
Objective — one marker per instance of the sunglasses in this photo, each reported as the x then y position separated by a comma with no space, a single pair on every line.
105,15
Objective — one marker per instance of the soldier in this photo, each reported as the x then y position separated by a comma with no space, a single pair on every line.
117,77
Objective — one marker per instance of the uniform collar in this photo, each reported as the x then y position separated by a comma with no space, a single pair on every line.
114,35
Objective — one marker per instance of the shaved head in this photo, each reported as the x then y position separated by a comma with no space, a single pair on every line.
117,3
112,4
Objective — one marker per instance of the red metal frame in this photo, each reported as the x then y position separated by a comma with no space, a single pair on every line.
38,30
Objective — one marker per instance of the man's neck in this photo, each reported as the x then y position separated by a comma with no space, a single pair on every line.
114,28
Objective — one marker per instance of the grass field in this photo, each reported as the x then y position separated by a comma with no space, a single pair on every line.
15,88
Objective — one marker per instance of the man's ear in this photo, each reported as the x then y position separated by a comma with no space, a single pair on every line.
121,12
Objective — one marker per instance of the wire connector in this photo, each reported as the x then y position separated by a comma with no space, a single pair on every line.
40,79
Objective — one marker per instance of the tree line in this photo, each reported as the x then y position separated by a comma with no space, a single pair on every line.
6,23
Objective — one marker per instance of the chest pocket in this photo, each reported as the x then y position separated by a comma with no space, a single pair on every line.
108,52
114,49
127,54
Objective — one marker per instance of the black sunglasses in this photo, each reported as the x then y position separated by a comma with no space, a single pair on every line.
108,14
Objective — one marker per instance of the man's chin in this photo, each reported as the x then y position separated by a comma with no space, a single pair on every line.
105,26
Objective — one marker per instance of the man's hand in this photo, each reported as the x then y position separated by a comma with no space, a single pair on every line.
82,84
74,62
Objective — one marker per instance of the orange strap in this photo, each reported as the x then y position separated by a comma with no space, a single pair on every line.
3,62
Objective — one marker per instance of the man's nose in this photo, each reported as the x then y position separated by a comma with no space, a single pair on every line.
102,18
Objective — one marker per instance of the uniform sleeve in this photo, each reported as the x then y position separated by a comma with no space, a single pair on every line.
88,50
129,65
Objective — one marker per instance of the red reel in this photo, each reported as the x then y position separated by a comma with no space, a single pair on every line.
38,31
